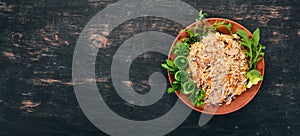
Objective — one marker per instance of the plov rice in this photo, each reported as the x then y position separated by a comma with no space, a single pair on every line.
218,66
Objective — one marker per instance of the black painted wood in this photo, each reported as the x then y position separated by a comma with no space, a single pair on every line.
38,37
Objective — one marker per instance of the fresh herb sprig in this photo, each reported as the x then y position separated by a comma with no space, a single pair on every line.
192,37
181,49
201,29
223,23
255,54
170,66
197,97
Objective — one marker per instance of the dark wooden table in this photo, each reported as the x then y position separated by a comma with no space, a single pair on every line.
38,37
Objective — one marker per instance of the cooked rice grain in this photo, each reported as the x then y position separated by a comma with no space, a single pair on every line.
218,66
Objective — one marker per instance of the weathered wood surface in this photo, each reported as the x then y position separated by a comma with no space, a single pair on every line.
38,37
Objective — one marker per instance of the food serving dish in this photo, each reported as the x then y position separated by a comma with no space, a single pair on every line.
238,101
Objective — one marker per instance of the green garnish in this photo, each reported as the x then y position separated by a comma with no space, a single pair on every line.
254,77
197,97
255,54
181,62
181,76
216,25
193,37
201,29
178,66
188,87
181,49
170,66
171,90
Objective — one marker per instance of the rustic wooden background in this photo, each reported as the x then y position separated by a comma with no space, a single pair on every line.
38,37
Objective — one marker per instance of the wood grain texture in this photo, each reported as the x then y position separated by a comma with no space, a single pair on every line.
38,37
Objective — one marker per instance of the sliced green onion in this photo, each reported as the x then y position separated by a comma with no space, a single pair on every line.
181,62
188,87
182,76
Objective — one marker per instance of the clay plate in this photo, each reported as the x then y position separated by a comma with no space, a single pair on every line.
241,100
